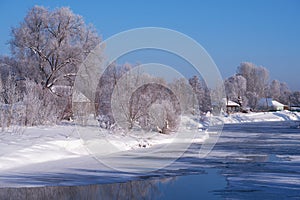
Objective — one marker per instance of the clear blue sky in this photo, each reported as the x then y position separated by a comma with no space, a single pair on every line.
265,32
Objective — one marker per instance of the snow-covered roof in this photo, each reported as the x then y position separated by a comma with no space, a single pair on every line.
270,102
232,103
277,104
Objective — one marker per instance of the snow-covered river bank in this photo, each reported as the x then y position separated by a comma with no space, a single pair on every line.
259,159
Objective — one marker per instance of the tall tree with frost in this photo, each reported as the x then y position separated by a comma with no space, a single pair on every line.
185,94
235,87
295,99
285,93
51,45
202,94
257,78
275,90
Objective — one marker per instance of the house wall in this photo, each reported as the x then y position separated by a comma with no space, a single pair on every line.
232,109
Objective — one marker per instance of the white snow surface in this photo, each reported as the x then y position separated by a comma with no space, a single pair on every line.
47,148
261,117
32,146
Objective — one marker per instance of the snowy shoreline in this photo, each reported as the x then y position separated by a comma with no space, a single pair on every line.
261,117
51,146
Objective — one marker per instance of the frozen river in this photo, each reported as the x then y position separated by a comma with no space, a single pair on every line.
255,160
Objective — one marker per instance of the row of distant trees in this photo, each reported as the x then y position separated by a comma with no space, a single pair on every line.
37,80
251,83
155,105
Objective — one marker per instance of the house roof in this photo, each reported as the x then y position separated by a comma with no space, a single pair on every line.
224,102
270,101
232,103
277,104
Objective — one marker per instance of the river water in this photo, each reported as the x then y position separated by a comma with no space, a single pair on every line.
250,161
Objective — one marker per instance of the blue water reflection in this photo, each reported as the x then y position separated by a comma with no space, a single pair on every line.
198,186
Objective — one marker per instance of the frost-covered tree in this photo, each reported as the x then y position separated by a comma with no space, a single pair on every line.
185,95
1,91
274,91
11,93
202,94
106,86
235,87
163,117
155,107
257,78
41,106
285,93
295,98
51,45
280,91
126,97
11,109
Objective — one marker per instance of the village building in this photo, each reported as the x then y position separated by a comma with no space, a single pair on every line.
269,104
232,106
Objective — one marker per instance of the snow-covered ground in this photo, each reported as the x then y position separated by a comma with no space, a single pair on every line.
41,149
39,144
261,117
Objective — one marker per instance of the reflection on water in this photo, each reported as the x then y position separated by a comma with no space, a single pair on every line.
148,189
169,188
249,161
197,186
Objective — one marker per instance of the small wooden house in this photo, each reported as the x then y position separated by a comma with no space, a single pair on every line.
232,106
